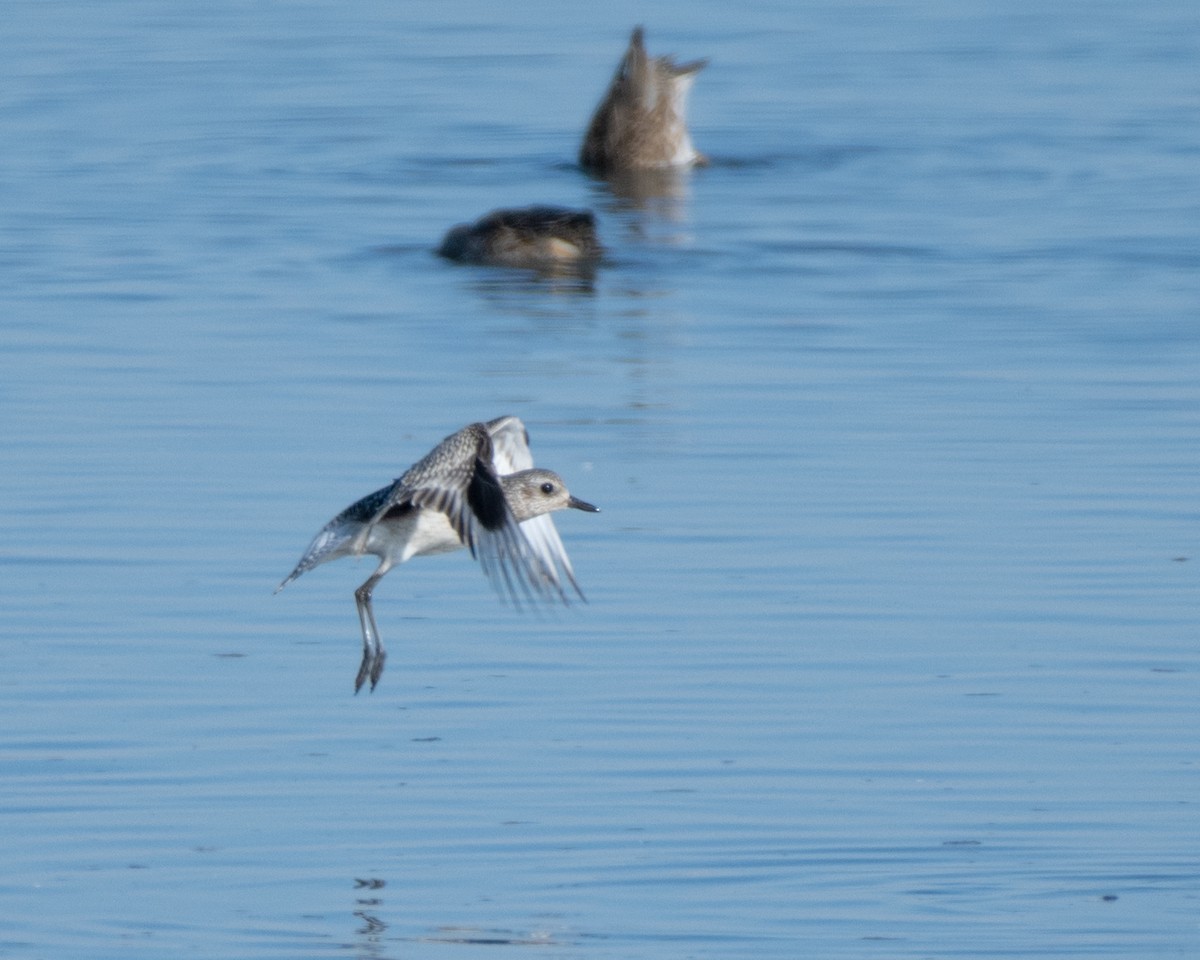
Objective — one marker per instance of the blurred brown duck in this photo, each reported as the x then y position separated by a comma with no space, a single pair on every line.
641,124
535,238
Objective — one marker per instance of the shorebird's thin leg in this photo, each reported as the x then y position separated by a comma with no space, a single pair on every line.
373,652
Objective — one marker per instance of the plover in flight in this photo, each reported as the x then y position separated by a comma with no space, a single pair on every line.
477,489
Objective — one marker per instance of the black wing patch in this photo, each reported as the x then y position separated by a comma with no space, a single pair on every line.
486,498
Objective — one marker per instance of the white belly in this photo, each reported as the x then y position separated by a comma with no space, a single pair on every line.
417,534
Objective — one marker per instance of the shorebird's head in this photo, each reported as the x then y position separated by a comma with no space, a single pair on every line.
531,493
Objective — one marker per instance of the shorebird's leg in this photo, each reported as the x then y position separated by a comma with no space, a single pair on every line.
373,652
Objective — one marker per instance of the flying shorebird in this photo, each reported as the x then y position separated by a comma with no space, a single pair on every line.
477,489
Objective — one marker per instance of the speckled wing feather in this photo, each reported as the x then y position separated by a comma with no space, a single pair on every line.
459,479
441,479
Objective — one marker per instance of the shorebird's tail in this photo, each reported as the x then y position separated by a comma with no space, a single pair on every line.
334,540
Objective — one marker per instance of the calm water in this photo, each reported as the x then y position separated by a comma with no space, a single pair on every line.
891,649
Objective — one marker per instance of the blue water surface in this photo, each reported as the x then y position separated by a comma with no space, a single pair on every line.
892,411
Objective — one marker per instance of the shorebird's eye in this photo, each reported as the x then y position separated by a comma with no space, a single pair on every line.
547,487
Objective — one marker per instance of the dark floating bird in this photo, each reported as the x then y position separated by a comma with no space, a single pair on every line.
536,238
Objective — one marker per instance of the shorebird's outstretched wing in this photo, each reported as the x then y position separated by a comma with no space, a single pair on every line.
441,480
510,445
551,555
511,454
458,478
